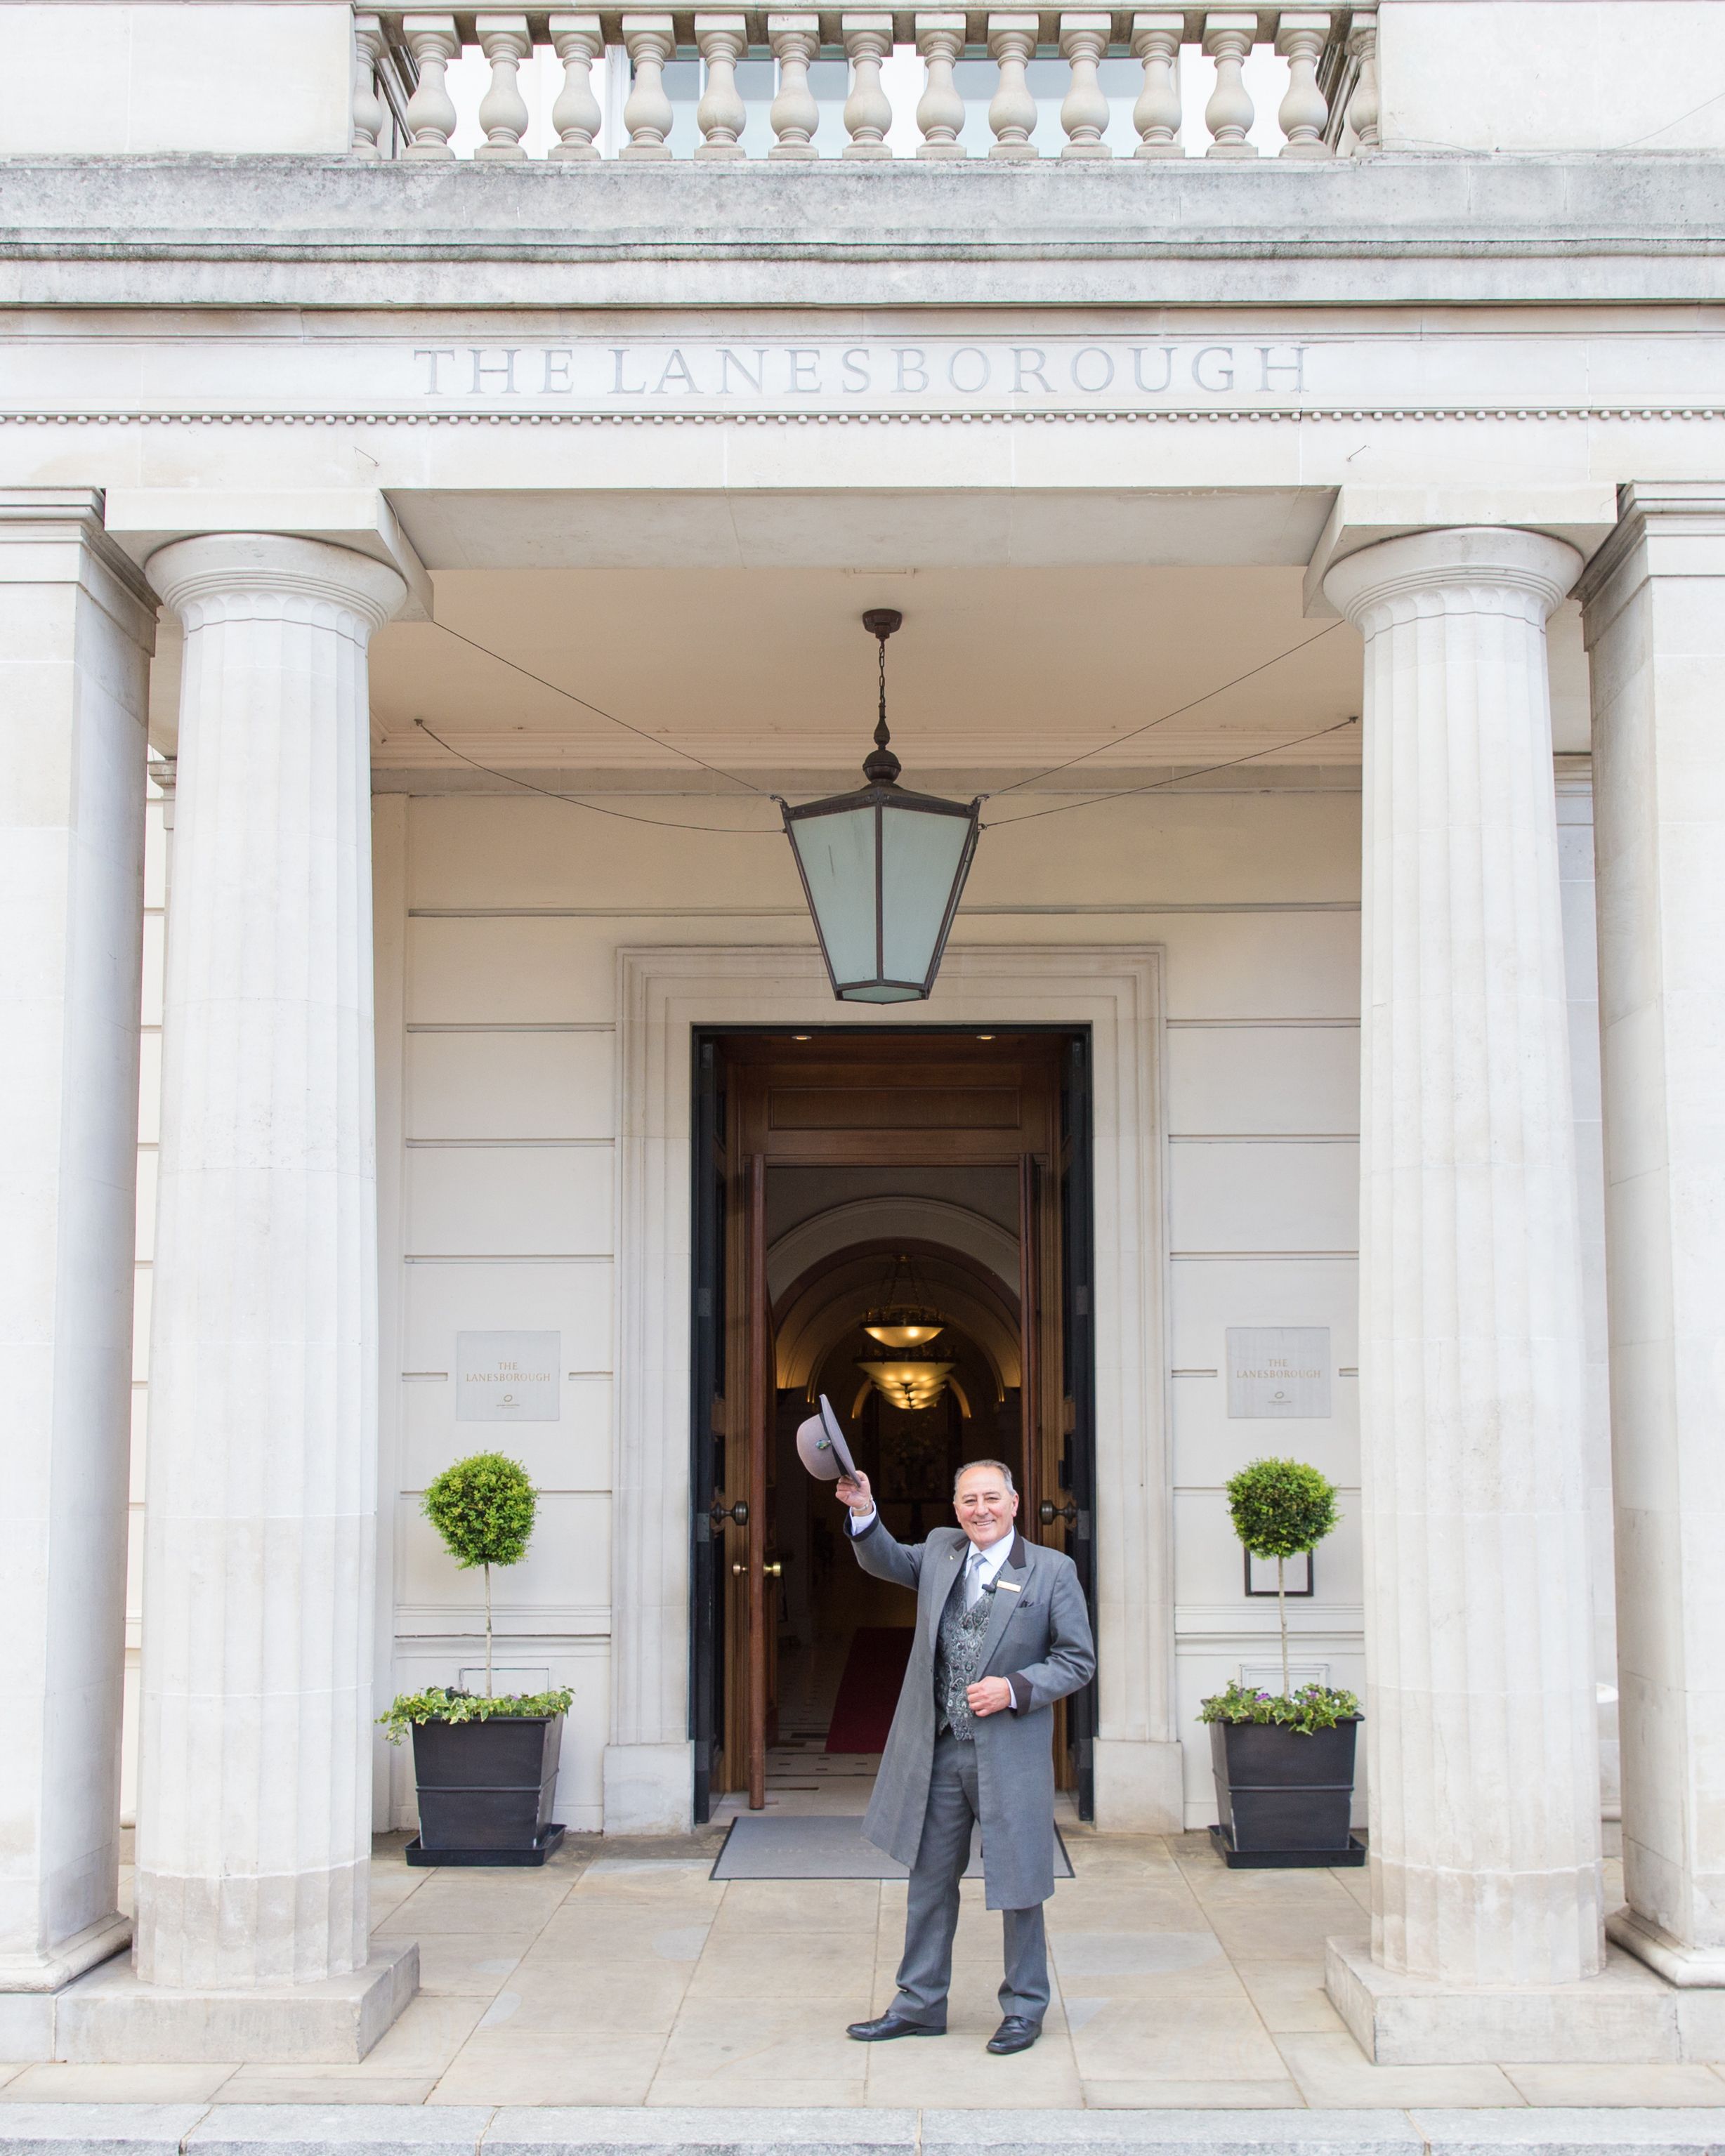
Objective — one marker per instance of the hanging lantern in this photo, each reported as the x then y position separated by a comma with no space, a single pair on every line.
882,870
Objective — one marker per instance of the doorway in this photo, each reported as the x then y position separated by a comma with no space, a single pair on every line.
838,1172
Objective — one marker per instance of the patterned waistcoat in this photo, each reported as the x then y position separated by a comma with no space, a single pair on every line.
957,1659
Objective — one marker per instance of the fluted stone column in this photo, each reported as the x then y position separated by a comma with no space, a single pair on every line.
76,628
1655,621
1481,1738
255,1804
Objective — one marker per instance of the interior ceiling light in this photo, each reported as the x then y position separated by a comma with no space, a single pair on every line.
905,1321
911,1383
883,870
904,1316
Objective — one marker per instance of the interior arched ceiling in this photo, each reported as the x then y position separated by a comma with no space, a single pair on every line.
824,1307
879,1222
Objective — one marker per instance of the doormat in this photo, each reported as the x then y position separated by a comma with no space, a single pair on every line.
817,1846
868,1692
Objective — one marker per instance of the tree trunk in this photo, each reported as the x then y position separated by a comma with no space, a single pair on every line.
1281,1611
488,1635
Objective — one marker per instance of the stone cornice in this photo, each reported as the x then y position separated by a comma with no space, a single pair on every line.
336,232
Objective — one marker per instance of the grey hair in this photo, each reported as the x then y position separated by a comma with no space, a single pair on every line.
999,1465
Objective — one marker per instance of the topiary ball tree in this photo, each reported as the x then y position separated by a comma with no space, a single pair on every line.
484,1508
1280,1509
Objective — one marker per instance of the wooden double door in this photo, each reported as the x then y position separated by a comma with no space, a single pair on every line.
841,1098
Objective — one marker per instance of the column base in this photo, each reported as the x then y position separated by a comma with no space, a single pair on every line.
1140,1786
649,1789
109,2018
1625,2016
1688,1968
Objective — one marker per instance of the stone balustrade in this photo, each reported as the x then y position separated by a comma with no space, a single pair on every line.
689,78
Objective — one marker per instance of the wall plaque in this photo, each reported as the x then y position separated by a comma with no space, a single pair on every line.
507,1377
1279,1370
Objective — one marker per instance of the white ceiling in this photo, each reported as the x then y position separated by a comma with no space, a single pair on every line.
997,671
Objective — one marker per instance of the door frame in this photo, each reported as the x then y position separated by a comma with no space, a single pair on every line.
664,995
747,1071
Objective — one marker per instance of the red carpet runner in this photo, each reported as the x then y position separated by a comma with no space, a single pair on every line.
867,1691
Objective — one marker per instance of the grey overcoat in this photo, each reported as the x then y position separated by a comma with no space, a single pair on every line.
1038,1633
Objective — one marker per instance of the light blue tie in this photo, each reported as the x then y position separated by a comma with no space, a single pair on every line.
974,1580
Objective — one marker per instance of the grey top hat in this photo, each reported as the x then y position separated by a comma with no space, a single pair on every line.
821,1447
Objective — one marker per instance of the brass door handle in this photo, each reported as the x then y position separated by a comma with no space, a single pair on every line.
720,1511
1048,1512
771,1571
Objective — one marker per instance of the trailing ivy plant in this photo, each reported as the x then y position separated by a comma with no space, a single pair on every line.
1312,1707
1281,1508
434,1704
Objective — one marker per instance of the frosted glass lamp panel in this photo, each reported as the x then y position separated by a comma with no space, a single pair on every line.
829,85
919,859
837,856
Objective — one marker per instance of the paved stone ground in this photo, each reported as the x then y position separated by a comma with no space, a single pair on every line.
621,1975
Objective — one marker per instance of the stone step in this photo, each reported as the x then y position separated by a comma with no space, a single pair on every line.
361,2130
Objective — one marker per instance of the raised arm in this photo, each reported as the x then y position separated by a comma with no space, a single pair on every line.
876,1551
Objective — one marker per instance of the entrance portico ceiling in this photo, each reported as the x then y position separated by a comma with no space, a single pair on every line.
1038,627
998,674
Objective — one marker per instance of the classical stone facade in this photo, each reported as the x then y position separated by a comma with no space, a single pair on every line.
1292,437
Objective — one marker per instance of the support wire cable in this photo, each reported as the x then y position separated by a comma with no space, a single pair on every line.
580,801
598,711
1305,644
1125,793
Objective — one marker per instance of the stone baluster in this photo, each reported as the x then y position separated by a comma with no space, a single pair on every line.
254,1802
1301,37
650,41
433,41
370,116
1229,116
1363,106
940,110
503,111
1473,1502
1156,42
868,111
795,40
579,42
722,115
1084,110
1011,112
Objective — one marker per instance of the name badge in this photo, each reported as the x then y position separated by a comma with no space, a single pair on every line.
1006,1586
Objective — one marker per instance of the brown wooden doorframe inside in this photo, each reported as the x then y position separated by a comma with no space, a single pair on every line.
845,1097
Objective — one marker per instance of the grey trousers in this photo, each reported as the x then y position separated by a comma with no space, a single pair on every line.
932,1917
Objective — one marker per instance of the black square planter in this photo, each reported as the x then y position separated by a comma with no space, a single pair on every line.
1283,1796
486,1790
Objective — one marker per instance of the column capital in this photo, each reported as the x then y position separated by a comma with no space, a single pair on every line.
1460,567
35,517
1664,527
272,571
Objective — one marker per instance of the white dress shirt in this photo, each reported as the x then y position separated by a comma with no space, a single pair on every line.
988,1563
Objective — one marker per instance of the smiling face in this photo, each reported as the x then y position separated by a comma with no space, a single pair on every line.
985,1507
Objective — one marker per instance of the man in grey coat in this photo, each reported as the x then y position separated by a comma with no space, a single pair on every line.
1001,1632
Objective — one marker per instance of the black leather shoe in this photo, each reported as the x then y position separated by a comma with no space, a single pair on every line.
887,2027
1015,2034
